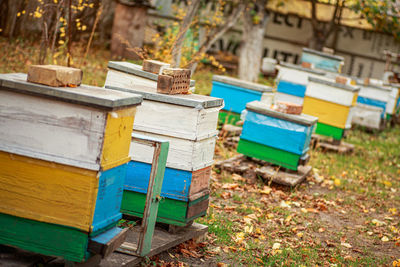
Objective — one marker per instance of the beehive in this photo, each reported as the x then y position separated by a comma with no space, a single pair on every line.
189,123
276,137
375,95
292,82
236,94
63,151
333,103
322,61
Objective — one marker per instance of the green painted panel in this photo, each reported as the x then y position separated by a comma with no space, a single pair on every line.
228,117
328,130
388,117
170,211
276,156
43,238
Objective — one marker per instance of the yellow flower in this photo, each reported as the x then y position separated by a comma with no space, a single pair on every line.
23,12
83,27
61,42
55,1
18,14
37,14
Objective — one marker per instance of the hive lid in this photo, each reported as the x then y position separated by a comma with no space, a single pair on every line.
385,87
135,69
299,67
188,100
83,94
243,84
262,108
322,54
335,84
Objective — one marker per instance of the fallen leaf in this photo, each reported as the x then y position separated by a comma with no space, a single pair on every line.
337,182
266,190
221,264
230,186
347,245
385,239
276,246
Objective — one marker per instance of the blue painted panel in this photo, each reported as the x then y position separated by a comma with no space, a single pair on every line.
176,183
372,102
107,236
235,98
276,133
291,88
398,105
321,62
309,133
109,197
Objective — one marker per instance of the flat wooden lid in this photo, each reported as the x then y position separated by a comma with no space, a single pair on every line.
262,108
243,84
299,67
322,54
135,69
189,100
83,94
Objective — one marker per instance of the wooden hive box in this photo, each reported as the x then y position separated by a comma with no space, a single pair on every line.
189,123
368,116
322,61
129,75
374,95
63,151
276,137
292,82
333,103
392,103
236,94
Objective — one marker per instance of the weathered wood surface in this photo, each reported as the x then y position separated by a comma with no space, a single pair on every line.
54,75
175,120
251,167
288,98
368,116
162,241
154,66
82,95
65,133
183,154
107,242
332,145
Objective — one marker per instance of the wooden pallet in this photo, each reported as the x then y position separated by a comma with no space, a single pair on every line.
251,167
126,255
331,145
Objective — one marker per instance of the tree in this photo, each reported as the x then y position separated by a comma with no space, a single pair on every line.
255,20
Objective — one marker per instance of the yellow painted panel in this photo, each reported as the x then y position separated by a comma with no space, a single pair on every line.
117,138
354,102
327,112
46,191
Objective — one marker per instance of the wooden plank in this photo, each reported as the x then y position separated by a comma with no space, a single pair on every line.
154,66
183,154
106,243
54,75
284,177
341,148
83,94
162,241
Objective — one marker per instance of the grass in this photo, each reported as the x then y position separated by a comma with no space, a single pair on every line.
342,219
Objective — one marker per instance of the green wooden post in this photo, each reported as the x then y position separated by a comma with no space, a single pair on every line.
153,191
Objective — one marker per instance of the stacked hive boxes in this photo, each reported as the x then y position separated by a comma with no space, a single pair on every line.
292,82
333,103
236,94
332,64
63,155
189,123
276,137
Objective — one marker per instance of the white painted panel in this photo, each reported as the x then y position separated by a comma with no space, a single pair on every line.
51,130
183,154
295,76
368,116
330,93
374,93
288,98
350,118
391,105
177,121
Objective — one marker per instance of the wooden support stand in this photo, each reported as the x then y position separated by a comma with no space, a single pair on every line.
251,167
331,145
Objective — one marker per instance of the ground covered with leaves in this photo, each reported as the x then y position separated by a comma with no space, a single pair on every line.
346,213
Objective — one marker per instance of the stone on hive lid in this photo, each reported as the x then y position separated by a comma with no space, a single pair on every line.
154,66
54,75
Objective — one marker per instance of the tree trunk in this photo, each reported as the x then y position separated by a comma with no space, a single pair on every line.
252,43
128,30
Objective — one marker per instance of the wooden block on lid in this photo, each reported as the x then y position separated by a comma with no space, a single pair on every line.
174,81
154,66
306,65
54,75
341,79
